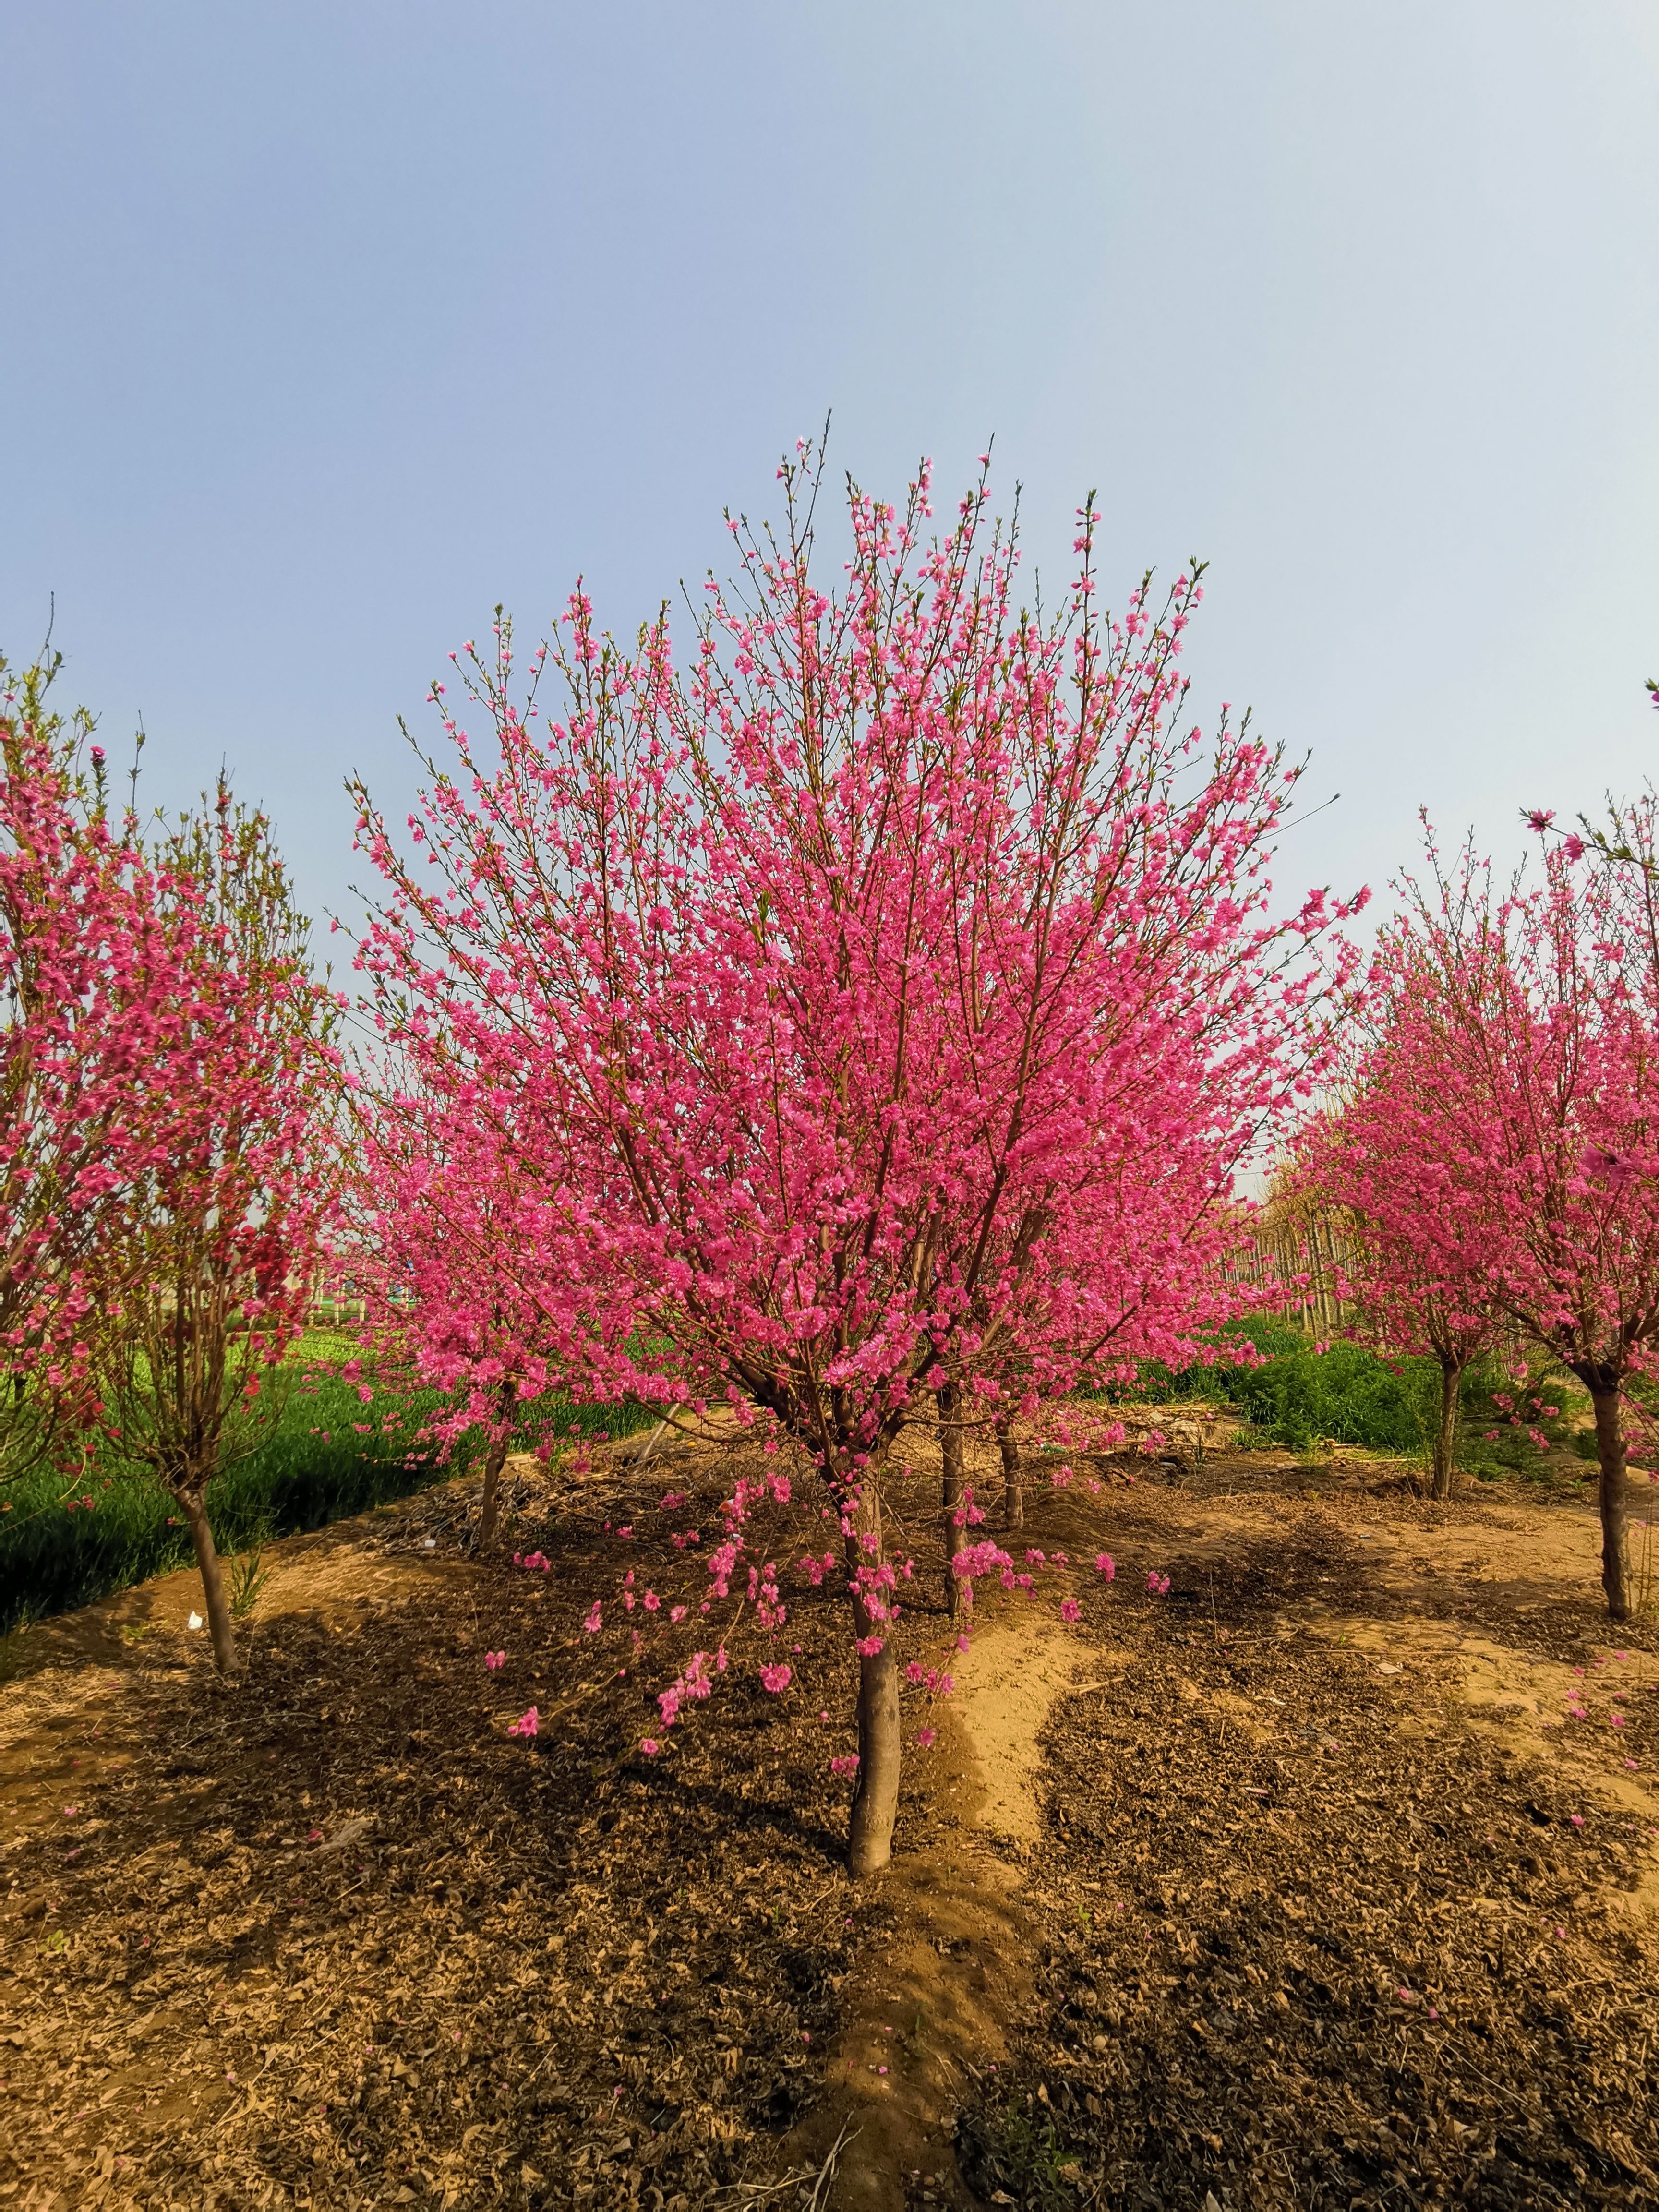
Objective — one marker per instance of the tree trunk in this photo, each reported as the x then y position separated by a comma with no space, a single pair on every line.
948,1401
489,1502
1615,1499
494,1461
1451,1375
213,1586
875,1801
1014,1497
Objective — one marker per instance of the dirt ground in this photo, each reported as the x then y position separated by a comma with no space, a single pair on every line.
1327,1877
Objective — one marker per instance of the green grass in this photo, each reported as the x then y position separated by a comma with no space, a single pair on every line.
1306,1400
329,1456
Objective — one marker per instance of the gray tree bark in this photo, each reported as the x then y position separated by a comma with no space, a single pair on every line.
875,1801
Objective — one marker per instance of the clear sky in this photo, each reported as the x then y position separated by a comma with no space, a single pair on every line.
329,325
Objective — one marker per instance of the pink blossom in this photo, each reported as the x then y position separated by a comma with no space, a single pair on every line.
1105,1565
494,1659
778,1677
926,1738
526,1724
845,1763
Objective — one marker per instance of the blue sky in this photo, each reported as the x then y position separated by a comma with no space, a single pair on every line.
328,326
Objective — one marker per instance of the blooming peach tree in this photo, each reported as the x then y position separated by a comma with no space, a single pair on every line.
439,1243
223,1166
70,934
1516,1084
874,1006
1417,1240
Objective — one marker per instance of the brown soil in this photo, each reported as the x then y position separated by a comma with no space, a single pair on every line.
330,1937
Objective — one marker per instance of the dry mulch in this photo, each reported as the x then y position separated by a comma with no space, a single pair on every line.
331,1938
1365,1959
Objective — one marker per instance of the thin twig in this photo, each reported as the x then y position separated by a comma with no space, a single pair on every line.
757,2193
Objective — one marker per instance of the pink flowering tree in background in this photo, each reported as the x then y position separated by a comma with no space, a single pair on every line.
1420,1241
1135,1269
223,1166
1522,1030
828,993
69,929
438,1240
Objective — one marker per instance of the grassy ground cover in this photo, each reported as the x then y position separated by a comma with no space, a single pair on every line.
328,1455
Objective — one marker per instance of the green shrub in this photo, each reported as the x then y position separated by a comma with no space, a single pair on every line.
1302,1398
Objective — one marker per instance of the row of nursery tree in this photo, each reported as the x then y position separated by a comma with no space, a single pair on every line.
863,1015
